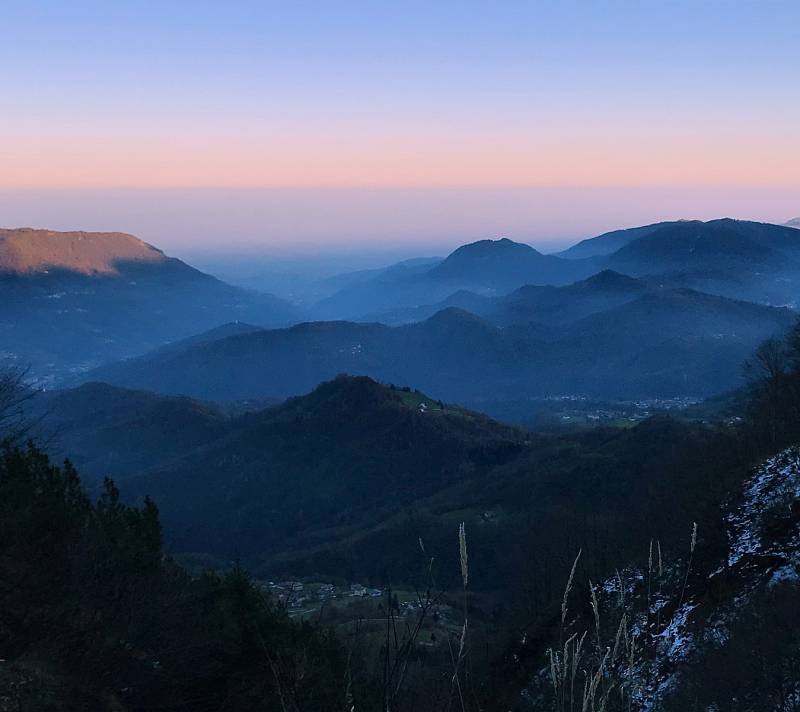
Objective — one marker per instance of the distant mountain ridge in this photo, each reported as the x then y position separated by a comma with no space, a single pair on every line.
633,340
73,301
735,258
708,235
609,242
532,304
741,259
70,301
721,244
488,267
27,250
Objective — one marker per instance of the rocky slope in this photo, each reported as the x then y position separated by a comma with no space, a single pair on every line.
665,636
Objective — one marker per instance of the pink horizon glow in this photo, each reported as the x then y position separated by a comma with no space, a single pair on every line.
402,162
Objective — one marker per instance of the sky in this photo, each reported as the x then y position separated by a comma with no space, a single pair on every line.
265,125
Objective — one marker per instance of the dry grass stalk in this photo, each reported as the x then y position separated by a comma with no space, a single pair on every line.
689,566
462,645
622,623
568,589
595,612
462,548
564,668
575,660
660,567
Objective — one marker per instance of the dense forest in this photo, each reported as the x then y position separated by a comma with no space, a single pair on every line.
95,617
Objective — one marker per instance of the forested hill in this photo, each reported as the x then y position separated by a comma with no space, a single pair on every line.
350,453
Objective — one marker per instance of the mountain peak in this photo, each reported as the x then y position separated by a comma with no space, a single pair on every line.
502,264
30,251
349,401
794,222
609,279
343,392
488,248
452,316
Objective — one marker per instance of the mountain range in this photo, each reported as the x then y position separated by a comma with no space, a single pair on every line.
653,311
616,340
248,443
533,304
488,267
735,258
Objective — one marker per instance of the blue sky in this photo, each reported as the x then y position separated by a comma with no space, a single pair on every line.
397,96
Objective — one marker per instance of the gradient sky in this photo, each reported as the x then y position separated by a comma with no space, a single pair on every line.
401,96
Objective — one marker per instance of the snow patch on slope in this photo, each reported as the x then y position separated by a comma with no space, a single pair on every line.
774,486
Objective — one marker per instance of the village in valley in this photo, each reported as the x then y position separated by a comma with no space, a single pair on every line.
355,607
296,596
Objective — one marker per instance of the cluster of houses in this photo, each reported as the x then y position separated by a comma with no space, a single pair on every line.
437,613
634,411
296,594
357,590
291,594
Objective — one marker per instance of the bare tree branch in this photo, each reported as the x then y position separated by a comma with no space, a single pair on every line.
15,393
